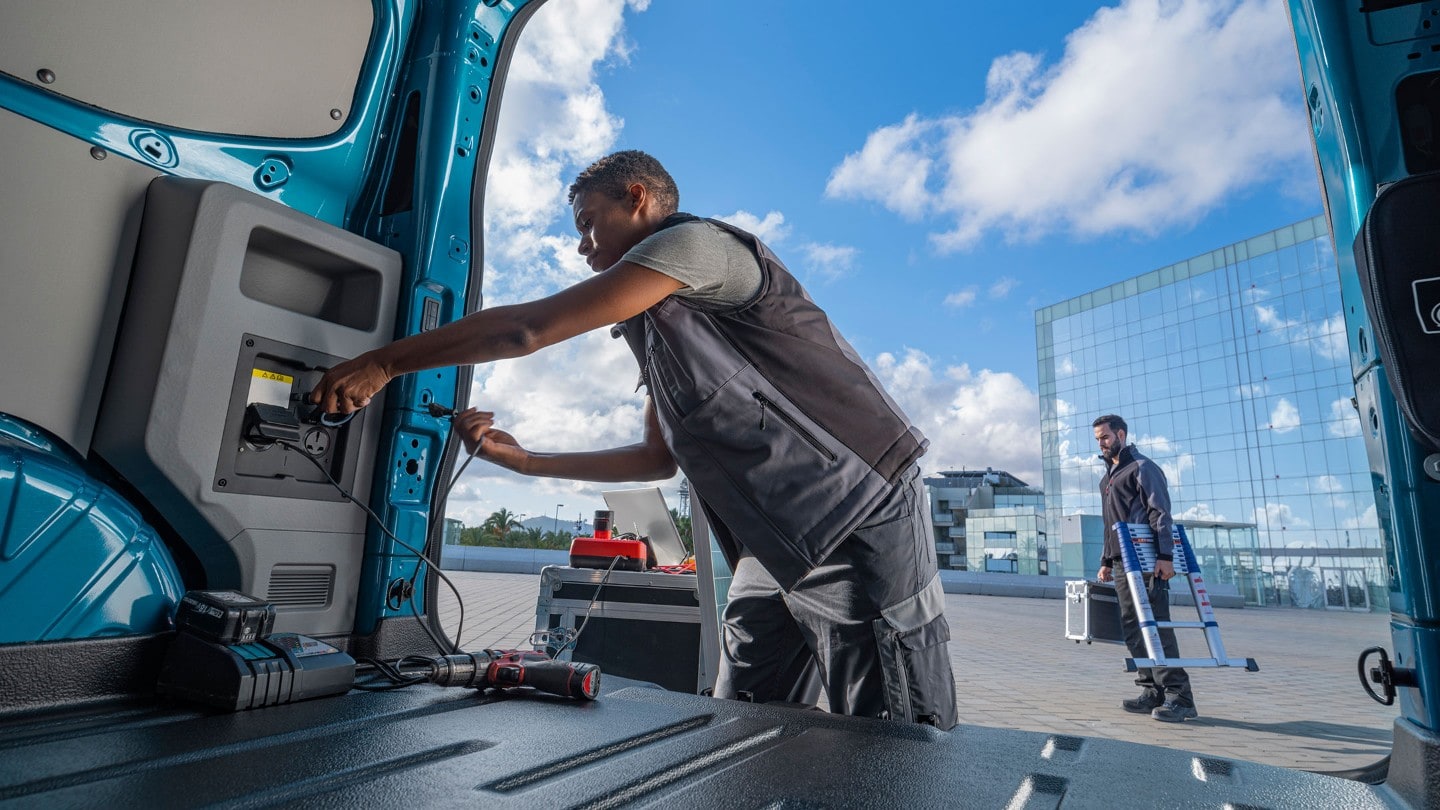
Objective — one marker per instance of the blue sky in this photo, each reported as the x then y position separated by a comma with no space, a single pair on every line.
933,175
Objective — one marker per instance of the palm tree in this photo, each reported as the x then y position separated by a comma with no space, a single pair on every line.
500,523
556,540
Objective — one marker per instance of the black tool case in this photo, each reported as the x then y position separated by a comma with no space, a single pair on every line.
642,624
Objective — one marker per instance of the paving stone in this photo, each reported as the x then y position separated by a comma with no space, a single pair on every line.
1015,669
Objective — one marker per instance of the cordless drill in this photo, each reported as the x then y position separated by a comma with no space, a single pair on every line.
502,669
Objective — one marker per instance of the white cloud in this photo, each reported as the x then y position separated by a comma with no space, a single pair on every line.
1330,338
1084,456
1285,417
1201,513
973,420
1368,519
1327,483
1269,318
1327,336
563,42
1002,287
574,396
891,169
1176,465
1178,469
830,262
1277,516
961,298
553,122
1154,113
771,229
1344,420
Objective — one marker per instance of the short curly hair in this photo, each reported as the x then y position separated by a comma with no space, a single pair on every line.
613,175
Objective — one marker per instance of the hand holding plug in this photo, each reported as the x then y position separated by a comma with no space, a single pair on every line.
477,429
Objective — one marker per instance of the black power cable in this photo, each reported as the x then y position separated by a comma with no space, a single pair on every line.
396,678
445,646
569,639
572,641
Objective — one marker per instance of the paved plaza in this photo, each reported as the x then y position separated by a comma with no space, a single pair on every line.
1015,669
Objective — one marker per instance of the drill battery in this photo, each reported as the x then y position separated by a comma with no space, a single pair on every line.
225,617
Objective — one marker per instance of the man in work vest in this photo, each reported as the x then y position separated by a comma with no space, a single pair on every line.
1133,490
805,467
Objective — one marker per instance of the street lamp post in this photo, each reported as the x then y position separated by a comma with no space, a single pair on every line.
557,518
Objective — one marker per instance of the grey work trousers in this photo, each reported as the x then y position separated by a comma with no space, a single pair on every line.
871,615
1169,683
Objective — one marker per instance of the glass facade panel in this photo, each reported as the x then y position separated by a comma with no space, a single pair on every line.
1233,375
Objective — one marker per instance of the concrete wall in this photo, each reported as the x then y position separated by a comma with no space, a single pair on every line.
530,561
1037,587
500,560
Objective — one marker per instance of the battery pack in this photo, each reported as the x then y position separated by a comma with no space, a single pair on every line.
224,617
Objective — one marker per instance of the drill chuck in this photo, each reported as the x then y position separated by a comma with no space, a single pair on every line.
463,669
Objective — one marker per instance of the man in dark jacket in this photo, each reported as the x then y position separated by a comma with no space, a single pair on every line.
1133,490
804,465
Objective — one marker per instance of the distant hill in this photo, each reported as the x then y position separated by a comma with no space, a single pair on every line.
547,524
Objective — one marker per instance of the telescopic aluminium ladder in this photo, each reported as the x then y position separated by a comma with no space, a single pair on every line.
1137,552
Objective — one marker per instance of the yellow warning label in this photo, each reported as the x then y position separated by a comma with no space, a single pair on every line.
270,387
272,375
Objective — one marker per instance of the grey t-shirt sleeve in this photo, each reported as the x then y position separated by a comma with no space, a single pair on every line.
715,267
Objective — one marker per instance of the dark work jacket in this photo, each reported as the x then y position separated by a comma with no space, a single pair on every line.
788,439
1134,491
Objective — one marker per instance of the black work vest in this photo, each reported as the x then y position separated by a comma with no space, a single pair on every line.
782,429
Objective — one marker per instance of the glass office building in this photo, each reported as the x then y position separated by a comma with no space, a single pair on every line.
1232,371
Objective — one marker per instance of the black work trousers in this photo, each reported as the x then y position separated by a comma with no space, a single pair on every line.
1171,683
871,615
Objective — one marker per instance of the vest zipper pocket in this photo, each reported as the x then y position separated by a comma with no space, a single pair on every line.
767,405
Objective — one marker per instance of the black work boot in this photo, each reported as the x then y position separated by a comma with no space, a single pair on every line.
1148,702
1175,712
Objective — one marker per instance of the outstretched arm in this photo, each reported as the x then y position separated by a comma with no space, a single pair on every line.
647,460
621,292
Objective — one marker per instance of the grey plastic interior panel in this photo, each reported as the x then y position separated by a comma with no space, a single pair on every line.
170,414
636,746
65,249
265,68
283,272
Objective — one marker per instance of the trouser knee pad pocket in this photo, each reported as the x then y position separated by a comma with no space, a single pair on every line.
915,664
